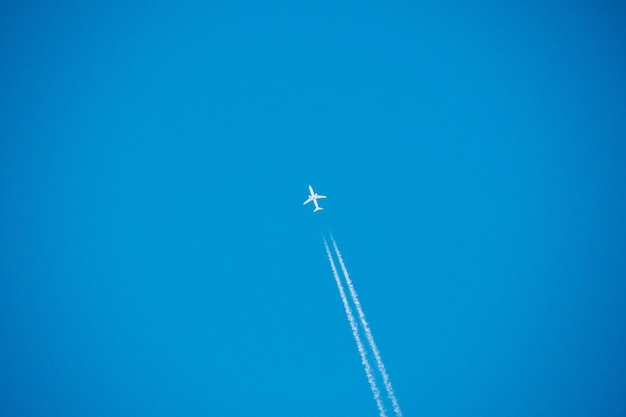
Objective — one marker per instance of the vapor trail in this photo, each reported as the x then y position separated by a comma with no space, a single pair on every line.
368,332
355,334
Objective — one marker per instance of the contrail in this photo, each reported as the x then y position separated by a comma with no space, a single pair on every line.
355,333
368,332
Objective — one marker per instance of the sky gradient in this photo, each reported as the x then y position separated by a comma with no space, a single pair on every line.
156,259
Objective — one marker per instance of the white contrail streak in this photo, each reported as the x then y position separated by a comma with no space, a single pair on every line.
368,332
355,333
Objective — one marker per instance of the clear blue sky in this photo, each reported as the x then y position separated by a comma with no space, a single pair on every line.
156,259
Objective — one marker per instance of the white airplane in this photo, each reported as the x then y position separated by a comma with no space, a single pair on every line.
313,197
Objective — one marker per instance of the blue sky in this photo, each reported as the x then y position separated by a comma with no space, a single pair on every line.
156,259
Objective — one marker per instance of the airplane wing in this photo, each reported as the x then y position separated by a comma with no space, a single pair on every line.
308,200
321,196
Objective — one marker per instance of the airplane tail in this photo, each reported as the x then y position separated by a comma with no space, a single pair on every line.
318,209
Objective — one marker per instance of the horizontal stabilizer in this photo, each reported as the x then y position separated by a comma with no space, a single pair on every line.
318,209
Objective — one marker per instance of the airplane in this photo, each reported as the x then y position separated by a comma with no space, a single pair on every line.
313,197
